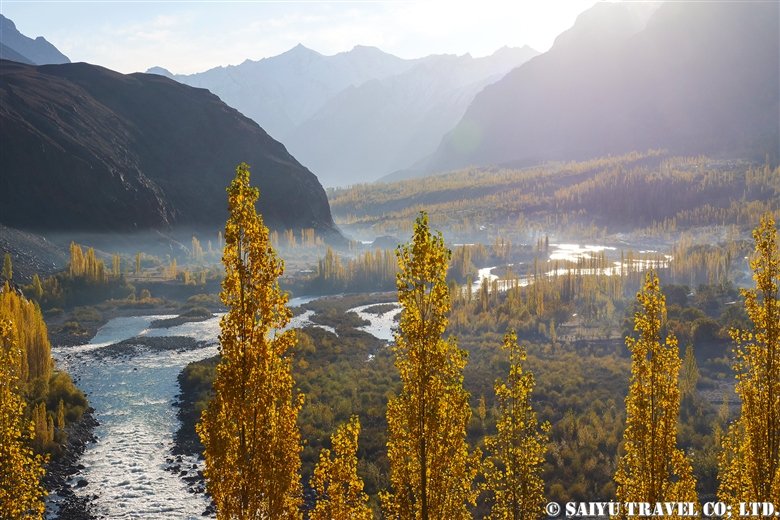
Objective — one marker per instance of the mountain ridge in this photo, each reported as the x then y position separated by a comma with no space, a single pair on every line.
134,152
359,114
23,49
673,84
401,118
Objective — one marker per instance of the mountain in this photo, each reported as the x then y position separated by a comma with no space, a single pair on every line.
695,78
86,148
385,124
356,115
18,47
282,91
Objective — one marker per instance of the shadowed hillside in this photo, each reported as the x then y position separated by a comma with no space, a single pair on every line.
699,78
86,148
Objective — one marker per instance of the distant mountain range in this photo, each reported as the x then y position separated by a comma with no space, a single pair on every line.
692,77
357,115
18,47
85,148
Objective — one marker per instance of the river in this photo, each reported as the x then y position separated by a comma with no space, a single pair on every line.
127,471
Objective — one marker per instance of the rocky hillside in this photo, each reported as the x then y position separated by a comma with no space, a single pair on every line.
86,148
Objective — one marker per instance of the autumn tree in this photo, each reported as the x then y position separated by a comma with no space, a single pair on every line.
31,335
116,265
8,270
87,266
652,468
249,431
513,470
749,465
339,488
197,250
690,373
431,470
21,492
37,287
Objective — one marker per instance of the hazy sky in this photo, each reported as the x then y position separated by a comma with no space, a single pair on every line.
191,36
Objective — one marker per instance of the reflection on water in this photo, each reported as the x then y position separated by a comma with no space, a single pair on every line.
573,253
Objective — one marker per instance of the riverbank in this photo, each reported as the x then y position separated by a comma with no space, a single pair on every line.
79,488
59,470
71,329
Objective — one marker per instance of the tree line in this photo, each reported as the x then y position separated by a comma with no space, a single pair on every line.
649,192
433,469
253,444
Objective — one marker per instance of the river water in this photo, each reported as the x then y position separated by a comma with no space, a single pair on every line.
133,397
381,325
126,470
571,253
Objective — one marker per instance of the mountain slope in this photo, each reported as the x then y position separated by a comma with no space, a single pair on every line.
356,115
386,124
86,148
698,78
282,91
18,47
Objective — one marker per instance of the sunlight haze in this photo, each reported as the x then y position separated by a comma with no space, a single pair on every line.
187,37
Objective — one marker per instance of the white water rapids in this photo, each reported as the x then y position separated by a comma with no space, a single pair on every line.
125,470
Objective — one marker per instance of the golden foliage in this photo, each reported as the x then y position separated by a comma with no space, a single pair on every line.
8,269
513,470
249,431
749,466
32,336
652,468
431,469
339,488
21,492
87,266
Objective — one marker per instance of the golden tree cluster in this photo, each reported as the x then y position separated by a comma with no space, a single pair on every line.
749,465
21,492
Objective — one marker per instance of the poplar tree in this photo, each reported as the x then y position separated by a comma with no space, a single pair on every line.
116,265
249,431
431,470
8,270
749,465
513,472
21,492
37,287
339,488
652,468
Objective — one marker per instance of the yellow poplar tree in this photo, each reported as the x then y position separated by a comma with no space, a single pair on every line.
652,468
513,471
339,488
749,465
37,287
431,470
249,431
21,492
8,270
